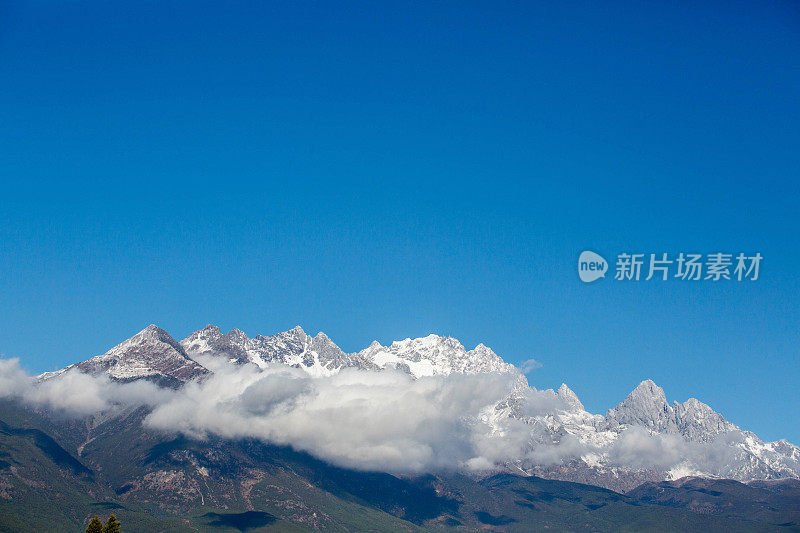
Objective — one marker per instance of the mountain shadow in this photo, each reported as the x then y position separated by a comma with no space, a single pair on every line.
240,521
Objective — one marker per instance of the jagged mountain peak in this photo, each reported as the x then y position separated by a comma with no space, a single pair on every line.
211,329
151,332
434,355
648,389
423,356
693,404
645,406
318,355
484,352
152,354
151,335
210,332
569,397
237,335
322,341
427,342
698,421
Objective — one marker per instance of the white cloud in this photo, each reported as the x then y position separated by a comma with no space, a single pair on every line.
529,366
75,393
359,419
385,421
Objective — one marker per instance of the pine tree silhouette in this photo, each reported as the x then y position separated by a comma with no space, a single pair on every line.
95,526
113,525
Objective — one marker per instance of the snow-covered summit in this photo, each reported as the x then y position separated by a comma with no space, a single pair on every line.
699,422
434,355
647,406
150,354
707,436
317,355
569,398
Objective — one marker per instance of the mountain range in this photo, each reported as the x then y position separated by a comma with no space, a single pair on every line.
154,355
112,457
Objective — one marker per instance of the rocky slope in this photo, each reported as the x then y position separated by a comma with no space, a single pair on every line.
155,482
150,354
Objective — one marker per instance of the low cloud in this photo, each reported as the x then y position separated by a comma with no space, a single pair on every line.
74,393
358,419
384,421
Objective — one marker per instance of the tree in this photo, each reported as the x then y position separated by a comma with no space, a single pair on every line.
113,525
95,526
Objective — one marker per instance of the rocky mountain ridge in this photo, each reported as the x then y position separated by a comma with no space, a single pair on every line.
154,355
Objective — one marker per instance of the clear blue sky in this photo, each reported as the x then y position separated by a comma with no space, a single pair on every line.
388,170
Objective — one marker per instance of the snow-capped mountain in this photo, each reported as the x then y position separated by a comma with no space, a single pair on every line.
647,406
434,356
318,355
565,441
150,354
426,356
698,440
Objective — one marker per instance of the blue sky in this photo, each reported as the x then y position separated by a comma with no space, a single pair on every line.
388,171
